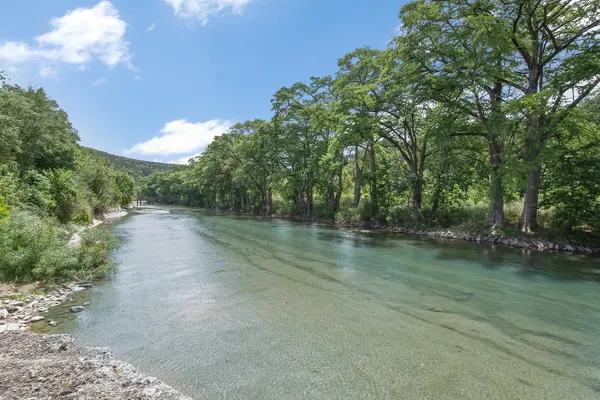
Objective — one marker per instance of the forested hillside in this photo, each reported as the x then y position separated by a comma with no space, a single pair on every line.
479,114
137,168
48,186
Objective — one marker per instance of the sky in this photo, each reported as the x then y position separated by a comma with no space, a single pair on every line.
158,79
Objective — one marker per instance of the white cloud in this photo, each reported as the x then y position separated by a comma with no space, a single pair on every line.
79,37
150,28
100,81
182,137
203,9
183,160
16,52
48,71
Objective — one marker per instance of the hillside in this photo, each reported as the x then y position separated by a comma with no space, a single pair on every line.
137,168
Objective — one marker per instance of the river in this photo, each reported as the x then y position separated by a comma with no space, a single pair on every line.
230,307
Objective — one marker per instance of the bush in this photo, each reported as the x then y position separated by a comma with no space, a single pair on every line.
34,247
82,215
355,214
64,193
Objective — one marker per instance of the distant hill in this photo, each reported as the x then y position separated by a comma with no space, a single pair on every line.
137,168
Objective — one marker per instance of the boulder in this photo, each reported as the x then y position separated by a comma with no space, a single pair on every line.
76,309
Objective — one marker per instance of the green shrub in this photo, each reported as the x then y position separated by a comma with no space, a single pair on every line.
64,193
512,212
35,248
399,216
82,215
355,214
4,209
23,239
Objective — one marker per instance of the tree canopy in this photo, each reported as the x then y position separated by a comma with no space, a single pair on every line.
472,108
48,184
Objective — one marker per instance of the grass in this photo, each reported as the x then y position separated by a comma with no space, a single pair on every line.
34,248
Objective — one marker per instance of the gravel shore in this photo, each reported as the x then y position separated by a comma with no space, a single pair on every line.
40,367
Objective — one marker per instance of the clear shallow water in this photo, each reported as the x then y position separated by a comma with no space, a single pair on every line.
220,307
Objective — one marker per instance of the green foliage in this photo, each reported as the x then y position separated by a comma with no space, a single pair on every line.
101,186
573,190
36,133
47,182
64,193
35,248
351,214
24,239
125,188
135,168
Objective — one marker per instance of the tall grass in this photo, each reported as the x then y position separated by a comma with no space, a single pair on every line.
33,247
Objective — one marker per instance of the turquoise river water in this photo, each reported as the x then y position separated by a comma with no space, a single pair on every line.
230,307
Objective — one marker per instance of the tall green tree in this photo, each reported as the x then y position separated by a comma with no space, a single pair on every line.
554,65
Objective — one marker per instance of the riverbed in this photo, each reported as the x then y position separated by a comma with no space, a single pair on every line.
224,306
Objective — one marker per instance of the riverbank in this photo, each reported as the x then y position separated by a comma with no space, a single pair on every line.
75,239
522,241
52,366
21,306
34,366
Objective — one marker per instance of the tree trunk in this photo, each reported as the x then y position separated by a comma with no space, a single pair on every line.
533,145
356,179
331,195
373,181
309,201
528,222
417,199
437,194
496,212
338,195
269,201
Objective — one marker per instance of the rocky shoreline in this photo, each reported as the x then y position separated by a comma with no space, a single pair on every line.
532,243
18,310
37,366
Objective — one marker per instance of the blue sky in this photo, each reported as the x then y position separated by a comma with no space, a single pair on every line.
157,79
